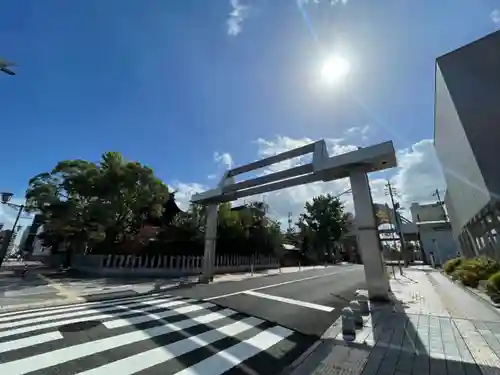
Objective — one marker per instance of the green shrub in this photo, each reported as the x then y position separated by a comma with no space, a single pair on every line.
493,285
466,277
483,267
451,265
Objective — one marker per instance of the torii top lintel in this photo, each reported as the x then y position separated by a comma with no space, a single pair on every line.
322,168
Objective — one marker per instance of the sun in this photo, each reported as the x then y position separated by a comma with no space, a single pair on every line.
334,68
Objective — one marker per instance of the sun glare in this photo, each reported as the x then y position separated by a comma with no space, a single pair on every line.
334,68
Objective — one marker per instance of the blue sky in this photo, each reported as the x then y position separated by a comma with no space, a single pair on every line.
186,86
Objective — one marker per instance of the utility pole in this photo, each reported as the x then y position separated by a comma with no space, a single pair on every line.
289,222
441,203
395,207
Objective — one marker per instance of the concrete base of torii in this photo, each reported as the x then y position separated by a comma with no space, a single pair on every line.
376,277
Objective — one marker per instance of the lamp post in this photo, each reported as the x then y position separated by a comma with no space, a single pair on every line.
5,199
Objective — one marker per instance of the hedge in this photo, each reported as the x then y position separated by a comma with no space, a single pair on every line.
451,265
471,271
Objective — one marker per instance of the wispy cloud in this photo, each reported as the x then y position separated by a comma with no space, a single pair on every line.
224,159
495,16
331,2
359,131
238,13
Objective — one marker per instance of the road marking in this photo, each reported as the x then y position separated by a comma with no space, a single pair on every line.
30,341
156,356
162,315
291,301
60,356
65,306
27,327
280,284
225,360
62,290
171,301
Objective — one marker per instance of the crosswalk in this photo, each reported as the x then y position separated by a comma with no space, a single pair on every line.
147,335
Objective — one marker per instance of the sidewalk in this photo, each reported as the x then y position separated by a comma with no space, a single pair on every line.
434,327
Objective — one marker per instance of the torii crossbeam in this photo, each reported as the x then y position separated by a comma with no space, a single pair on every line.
355,165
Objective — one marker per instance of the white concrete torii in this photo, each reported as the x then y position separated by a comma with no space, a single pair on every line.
355,165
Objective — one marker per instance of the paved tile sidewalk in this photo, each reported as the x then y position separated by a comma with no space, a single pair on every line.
434,328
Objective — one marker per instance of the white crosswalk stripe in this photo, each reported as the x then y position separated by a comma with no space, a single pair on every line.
153,334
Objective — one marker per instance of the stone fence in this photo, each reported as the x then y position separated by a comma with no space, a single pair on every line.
167,265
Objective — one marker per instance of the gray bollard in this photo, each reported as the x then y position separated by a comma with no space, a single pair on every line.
360,292
364,305
356,309
363,299
348,325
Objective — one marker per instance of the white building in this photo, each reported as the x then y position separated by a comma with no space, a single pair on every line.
434,230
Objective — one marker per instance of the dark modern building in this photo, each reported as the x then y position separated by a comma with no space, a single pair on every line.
467,142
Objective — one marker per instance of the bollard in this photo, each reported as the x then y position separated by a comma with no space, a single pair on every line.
348,325
356,309
251,268
364,306
363,299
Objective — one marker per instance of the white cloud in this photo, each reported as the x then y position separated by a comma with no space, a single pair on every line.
359,131
224,159
184,191
415,179
419,173
238,13
301,3
495,16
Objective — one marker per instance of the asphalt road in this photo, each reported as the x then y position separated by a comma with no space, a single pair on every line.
262,324
307,302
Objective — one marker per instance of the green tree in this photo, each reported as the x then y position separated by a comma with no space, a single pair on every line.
322,224
86,203
246,231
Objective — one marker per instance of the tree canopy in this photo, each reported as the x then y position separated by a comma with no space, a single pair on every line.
322,224
245,230
87,203
105,205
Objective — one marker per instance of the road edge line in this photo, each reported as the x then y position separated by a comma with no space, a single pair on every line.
275,285
62,290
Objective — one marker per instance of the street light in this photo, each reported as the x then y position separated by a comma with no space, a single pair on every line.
5,199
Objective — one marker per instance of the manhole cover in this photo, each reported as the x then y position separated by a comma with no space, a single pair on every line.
80,326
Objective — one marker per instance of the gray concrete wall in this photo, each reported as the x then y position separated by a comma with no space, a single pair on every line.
465,185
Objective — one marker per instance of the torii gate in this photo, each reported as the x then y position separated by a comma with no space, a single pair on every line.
355,165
